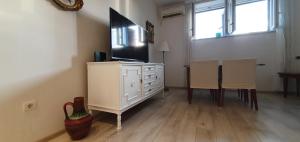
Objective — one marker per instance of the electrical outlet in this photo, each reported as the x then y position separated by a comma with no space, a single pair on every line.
29,106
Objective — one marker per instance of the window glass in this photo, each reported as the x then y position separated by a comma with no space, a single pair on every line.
209,24
252,17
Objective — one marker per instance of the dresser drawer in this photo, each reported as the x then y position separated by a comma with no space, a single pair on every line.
148,90
149,83
149,68
149,76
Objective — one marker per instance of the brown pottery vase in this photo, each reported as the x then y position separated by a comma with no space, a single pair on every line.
79,123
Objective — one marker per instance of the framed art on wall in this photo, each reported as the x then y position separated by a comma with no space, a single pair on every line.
150,29
69,5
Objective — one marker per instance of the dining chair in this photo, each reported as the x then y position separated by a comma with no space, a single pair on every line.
240,75
204,75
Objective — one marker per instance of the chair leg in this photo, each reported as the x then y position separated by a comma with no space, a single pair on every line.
216,95
298,87
223,94
212,94
251,99
255,101
246,97
253,94
190,95
242,94
221,99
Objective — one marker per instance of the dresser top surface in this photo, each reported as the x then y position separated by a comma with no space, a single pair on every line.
124,63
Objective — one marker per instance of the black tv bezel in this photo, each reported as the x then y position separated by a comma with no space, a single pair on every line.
110,44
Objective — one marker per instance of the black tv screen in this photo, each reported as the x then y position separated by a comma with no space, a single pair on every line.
128,40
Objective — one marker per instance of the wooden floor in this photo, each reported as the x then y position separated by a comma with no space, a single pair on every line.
172,119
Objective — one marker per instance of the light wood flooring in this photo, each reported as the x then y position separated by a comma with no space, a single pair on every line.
172,119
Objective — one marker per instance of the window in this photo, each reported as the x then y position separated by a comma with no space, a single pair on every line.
220,18
209,23
252,17
208,19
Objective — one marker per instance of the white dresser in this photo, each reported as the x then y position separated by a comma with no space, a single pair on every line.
117,86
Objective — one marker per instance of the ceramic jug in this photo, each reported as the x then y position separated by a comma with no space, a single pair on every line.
79,123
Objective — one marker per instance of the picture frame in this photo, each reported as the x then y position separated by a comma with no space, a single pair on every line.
150,30
71,5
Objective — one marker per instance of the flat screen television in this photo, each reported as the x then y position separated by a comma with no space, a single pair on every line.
128,41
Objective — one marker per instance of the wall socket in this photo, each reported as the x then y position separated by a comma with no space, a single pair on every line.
29,106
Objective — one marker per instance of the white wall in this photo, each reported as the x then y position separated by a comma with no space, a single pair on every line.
172,31
43,55
295,28
293,34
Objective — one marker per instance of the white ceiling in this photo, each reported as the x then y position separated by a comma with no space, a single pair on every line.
167,2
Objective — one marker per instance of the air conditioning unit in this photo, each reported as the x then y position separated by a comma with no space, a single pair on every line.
172,11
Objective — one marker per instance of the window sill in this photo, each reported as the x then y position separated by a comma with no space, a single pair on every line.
230,36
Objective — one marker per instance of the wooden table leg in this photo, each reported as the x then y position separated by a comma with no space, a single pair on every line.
254,97
189,89
285,86
190,95
298,87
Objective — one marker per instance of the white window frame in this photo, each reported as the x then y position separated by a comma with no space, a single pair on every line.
230,15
